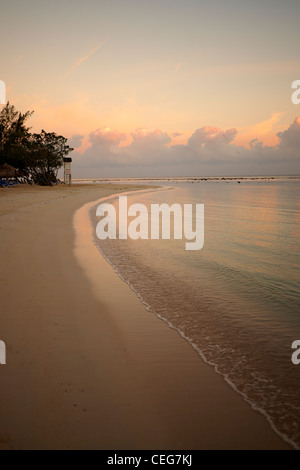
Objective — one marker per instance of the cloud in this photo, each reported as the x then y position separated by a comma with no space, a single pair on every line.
209,145
75,141
285,152
268,125
210,135
176,134
209,150
290,140
253,142
142,138
87,56
103,149
106,137
83,59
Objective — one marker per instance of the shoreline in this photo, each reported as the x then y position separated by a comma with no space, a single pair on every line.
90,207
88,368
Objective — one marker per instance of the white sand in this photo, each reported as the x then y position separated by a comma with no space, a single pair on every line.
87,365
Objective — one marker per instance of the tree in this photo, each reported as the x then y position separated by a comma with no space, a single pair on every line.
46,154
38,156
13,135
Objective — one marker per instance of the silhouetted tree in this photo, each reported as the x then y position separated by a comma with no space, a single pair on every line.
14,135
46,152
38,156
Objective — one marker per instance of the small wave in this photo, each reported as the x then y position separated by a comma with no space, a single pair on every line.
200,352
214,349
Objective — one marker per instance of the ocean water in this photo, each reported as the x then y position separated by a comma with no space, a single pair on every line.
237,300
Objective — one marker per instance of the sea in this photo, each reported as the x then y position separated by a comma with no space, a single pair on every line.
237,300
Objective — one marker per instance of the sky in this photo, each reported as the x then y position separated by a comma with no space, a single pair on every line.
159,88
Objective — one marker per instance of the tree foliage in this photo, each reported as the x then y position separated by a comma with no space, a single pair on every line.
37,156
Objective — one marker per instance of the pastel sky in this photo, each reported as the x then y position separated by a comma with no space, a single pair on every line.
156,88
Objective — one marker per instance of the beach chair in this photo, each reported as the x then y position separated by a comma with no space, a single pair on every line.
6,184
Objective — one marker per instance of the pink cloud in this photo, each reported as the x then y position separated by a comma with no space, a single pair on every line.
106,136
209,149
151,138
212,135
290,138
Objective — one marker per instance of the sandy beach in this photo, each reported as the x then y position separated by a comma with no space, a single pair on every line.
88,367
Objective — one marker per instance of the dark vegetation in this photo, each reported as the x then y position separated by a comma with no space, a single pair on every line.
36,157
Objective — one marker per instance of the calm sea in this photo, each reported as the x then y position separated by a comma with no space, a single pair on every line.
237,300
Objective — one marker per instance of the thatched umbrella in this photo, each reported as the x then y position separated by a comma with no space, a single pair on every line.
8,171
